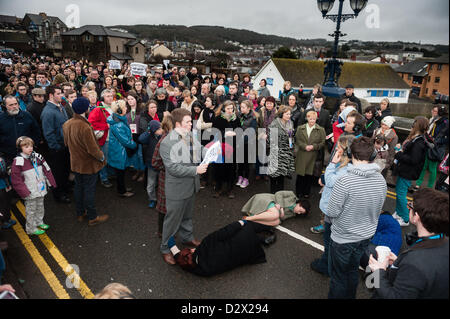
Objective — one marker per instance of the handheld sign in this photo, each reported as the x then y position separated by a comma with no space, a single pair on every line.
138,69
6,61
114,64
166,63
213,153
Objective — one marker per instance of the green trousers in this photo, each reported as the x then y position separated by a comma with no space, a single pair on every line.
430,166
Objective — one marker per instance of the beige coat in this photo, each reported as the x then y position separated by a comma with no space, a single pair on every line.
304,161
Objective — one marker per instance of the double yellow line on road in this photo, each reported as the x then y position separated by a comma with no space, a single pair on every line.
50,277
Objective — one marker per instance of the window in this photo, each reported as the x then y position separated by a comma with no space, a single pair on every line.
409,77
117,48
434,92
426,91
88,37
74,47
437,79
439,67
136,50
72,38
402,94
100,38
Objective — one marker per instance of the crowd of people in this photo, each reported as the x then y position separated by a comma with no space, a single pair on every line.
66,125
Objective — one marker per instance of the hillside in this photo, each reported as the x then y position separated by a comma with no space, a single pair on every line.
211,37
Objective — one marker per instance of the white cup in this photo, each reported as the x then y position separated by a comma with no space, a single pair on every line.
383,252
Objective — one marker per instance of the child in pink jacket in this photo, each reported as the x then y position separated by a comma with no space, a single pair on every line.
30,175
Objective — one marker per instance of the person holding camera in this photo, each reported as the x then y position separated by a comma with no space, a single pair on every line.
421,271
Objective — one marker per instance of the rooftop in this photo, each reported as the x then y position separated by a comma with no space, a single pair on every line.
361,75
99,30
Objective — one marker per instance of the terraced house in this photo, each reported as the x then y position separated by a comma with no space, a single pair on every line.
98,43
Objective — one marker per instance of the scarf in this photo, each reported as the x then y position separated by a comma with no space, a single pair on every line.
228,117
269,116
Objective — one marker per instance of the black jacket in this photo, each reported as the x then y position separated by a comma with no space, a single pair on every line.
14,126
412,158
420,272
352,98
386,112
162,106
370,127
229,247
35,109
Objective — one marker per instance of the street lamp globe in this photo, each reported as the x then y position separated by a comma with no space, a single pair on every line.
358,5
325,6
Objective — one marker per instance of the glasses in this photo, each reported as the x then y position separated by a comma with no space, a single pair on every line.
410,206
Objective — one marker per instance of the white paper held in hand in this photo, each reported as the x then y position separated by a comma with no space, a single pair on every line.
212,153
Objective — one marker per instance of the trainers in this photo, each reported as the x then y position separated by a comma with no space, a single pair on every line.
152,204
317,229
240,180
44,226
400,220
106,184
8,224
98,220
244,183
127,194
38,232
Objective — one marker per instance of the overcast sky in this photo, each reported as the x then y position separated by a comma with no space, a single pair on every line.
426,21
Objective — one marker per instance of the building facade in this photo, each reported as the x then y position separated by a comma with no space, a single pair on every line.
97,43
372,82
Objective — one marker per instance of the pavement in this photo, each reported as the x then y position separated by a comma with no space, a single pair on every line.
125,249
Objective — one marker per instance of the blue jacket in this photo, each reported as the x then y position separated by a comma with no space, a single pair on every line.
332,174
120,137
389,233
14,126
23,104
53,118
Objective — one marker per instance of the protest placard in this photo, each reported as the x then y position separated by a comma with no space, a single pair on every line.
114,64
138,69
6,61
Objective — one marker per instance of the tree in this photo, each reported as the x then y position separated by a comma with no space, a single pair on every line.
284,53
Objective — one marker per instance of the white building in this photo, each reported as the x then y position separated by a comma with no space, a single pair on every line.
372,82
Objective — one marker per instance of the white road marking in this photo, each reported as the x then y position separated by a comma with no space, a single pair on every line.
300,237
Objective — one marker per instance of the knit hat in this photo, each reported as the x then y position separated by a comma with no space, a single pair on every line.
153,126
80,105
270,99
388,120
59,79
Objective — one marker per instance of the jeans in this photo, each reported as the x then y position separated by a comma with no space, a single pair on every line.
401,202
84,193
343,265
107,170
323,260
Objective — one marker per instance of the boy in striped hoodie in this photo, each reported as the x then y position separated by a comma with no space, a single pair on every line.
354,208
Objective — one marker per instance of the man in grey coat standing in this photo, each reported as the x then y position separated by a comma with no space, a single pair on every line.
181,184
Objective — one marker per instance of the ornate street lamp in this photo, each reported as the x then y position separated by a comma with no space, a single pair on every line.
332,69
